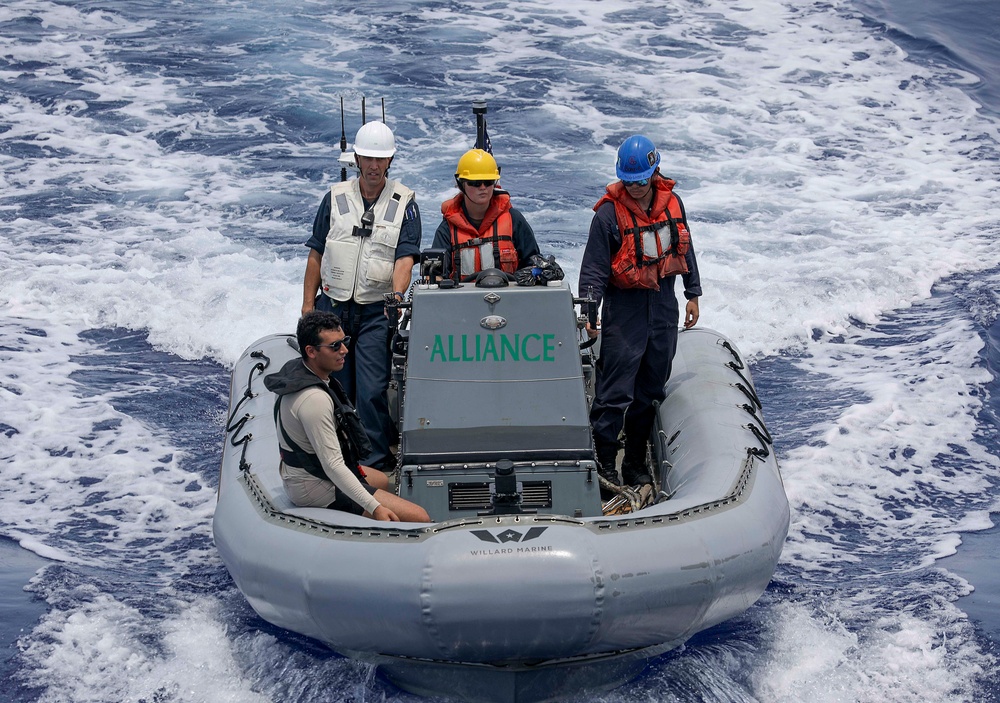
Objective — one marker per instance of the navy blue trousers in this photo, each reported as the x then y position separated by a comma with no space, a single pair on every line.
365,375
638,342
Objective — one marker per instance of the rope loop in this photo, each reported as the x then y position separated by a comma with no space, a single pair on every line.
764,451
234,426
750,394
738,364
750,409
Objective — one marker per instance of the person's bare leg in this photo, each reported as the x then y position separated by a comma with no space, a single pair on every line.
376,478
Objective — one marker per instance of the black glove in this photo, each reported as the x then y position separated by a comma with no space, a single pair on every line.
525,276
553,271
546,268
539,270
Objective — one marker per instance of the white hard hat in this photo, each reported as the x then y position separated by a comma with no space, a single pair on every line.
375,140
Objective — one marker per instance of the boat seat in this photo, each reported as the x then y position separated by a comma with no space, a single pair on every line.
270,481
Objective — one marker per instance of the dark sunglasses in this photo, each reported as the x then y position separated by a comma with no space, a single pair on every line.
643,182
480,184
336,345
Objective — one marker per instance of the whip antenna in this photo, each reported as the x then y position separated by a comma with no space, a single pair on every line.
343,131
343,141
364,120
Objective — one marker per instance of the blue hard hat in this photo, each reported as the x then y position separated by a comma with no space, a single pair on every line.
637,158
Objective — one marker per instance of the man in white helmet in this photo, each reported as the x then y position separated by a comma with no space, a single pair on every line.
365,241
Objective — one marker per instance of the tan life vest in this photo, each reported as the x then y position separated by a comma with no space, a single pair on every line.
359,259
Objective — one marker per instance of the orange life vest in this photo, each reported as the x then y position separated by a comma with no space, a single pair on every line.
490,246
654,245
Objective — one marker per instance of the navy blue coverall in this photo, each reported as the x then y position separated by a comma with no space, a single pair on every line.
638,338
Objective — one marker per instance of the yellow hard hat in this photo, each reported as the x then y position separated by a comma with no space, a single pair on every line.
477,165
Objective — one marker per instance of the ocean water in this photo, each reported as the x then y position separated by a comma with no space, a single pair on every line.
160,166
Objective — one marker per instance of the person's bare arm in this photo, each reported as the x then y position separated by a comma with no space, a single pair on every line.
402,273
310,284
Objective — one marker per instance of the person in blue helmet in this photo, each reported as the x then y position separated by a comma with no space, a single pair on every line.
638,244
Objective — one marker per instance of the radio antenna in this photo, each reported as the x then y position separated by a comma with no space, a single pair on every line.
343,140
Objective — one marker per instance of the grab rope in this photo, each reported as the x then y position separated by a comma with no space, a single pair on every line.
763,427
764,451
758,428
727,345
237,426
749,393
738,366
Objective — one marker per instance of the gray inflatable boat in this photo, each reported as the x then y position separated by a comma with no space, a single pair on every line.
523,589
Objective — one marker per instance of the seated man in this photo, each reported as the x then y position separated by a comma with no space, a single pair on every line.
320,438
480,229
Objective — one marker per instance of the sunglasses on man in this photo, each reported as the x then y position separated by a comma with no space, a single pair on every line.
336,345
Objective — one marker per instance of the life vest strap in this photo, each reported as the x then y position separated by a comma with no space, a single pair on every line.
347,434
460,251
478,241
496,243
297,457
636,231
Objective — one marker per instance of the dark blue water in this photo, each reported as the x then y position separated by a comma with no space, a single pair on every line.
963,34
20,611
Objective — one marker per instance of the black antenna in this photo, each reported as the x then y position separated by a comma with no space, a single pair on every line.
343,131
364,120
479,110
343,140
383,110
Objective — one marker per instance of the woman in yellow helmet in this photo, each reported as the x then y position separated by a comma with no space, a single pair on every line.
480,229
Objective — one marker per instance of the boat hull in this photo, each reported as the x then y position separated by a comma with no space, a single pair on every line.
516,607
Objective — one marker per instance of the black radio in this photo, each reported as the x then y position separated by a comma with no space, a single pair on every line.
367,220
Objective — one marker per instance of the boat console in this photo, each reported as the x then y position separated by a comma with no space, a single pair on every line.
491,397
